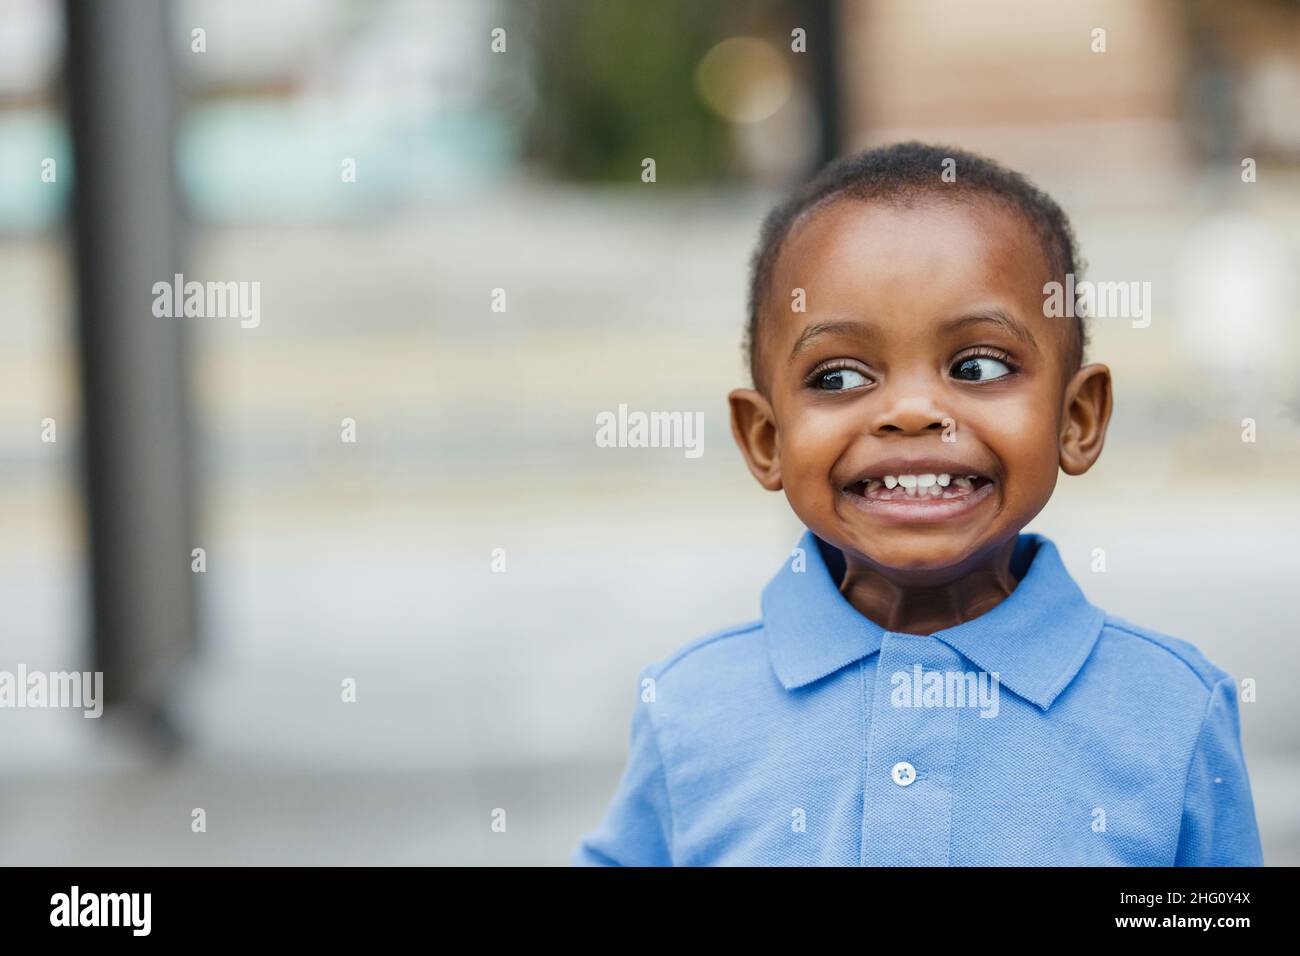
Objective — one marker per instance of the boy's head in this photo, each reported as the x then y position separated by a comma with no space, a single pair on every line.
897,330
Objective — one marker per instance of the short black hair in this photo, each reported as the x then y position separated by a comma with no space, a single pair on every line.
902,172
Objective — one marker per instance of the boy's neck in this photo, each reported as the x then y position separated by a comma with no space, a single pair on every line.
916,608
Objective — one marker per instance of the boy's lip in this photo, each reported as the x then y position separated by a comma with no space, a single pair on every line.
913,510
919,466
965,485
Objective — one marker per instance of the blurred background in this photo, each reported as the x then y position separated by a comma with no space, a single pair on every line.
214,137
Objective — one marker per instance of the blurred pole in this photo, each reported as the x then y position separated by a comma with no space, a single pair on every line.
823,23
134,377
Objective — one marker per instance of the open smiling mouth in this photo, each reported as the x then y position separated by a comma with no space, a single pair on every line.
921,487
920,497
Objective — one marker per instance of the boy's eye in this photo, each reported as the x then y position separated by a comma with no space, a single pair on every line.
839,379
979,368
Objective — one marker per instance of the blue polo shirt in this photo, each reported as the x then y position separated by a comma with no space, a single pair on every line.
1043,732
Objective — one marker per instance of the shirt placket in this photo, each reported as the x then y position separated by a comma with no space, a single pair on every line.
911,752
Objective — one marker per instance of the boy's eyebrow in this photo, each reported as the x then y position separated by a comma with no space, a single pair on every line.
996,317
865,330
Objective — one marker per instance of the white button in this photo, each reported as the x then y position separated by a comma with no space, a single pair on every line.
903,773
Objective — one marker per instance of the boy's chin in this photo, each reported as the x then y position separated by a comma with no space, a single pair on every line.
928,556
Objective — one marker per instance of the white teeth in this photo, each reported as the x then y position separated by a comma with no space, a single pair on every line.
917,481
921,486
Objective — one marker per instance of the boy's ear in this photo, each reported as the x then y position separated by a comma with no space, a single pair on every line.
1087,408
753,425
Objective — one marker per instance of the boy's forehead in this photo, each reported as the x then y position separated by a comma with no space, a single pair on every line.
909,261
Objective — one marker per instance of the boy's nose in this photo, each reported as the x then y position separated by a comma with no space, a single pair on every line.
911,414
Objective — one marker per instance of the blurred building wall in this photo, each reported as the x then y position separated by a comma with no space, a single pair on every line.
1019,79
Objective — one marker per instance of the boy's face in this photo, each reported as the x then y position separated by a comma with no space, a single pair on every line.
923,353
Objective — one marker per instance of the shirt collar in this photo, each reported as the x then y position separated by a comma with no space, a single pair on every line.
1035,640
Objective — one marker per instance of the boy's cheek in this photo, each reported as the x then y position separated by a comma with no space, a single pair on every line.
805,477
806,468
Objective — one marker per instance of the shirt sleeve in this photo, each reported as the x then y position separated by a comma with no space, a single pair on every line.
637,826
1218,826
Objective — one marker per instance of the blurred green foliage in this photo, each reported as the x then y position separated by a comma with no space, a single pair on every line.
616,84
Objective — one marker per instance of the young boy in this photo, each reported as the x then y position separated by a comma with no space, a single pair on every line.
927,684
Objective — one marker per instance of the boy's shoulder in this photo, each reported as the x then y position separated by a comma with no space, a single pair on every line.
1156,649
714,655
